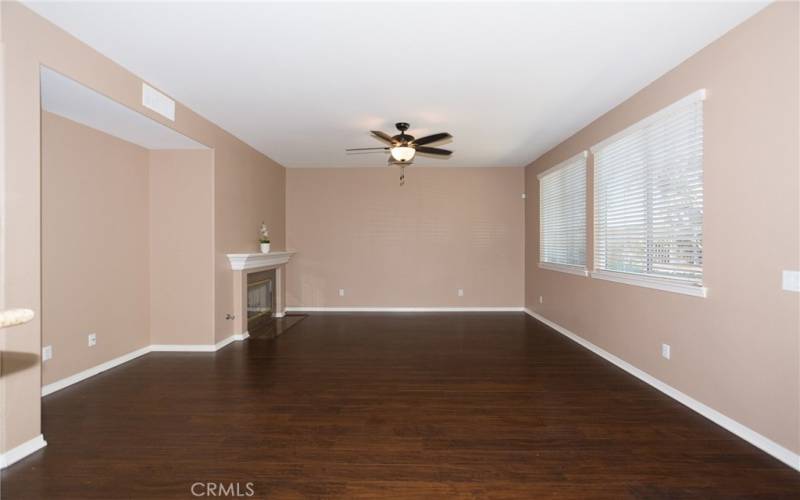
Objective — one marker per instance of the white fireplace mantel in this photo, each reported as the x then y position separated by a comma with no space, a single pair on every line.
243,261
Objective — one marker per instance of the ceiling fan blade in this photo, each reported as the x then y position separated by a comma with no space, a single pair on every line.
366,149
433,151
428,139
382,136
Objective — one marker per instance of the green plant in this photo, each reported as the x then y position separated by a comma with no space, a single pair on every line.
264,239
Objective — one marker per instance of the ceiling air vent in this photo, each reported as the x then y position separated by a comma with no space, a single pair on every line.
158,102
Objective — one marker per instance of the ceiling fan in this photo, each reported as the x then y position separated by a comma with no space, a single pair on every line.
403,147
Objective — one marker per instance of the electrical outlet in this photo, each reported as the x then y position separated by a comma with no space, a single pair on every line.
47,352
341,292
92,339
541,299
666,351
460,292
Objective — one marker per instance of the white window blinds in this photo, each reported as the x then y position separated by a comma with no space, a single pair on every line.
562,216
648,199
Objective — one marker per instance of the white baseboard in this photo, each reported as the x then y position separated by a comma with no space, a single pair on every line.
404,309
78,377
74,379
19,452
183,348
279,315
759,441
762,442
233,338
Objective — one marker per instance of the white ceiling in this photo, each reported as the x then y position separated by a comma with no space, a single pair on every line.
301,81
70,99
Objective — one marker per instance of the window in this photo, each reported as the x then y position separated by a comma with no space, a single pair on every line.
562,216
648,201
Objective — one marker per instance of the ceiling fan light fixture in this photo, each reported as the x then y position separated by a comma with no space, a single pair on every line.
403,154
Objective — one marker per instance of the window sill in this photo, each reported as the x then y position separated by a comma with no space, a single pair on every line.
576,270
649,282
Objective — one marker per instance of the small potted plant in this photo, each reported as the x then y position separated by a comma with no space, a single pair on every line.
264,239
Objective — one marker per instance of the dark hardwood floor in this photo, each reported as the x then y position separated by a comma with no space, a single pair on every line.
466,405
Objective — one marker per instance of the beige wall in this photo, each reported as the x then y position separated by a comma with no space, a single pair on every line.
181,247
737,350
248,190
29,41
130,259
415,245
94,246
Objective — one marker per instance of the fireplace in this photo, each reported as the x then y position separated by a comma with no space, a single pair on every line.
260,299
255,311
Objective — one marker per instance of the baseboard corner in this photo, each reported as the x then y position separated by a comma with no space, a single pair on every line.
95,370
17,453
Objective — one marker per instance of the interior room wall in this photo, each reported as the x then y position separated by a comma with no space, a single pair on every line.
737,350
409,246
181,208
29,42
94,246
249,189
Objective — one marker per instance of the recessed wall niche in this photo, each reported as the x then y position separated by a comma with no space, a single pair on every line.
127,230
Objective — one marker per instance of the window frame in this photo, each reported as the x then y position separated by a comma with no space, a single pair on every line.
578,270
640,279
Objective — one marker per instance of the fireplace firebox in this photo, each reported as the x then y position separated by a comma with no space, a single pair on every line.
260,299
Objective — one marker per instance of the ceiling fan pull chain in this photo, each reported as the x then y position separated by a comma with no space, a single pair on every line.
402,175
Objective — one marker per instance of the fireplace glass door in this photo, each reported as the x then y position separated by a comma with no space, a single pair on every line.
259,299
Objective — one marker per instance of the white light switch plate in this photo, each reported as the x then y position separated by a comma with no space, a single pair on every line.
341,292
47,352
791,281
460,292
666,351
92,339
